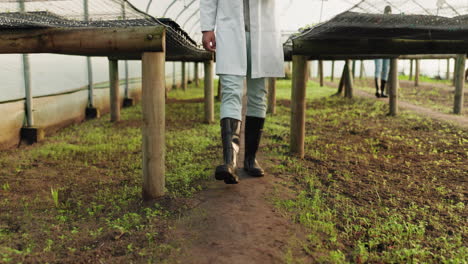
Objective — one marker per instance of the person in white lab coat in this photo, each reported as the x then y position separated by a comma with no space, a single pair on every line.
246,38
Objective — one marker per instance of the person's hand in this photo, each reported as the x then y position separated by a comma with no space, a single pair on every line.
209,41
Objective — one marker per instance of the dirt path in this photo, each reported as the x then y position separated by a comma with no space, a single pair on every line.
236,224
458,120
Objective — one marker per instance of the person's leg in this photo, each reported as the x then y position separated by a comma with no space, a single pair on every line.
231,116
378,70
254,120
384,77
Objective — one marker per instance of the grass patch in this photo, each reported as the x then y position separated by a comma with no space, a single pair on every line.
373,188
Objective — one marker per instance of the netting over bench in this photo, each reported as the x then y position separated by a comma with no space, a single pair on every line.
32,14
354,25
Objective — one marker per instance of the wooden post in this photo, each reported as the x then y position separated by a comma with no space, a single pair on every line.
309,70
411,70
271,95
393,88
361,70
448,70
332,70
460,83
196,75
416,74
342,82
321,74
209,93
153,104
184,76
348,80
218,96
298,105
354,69
114,90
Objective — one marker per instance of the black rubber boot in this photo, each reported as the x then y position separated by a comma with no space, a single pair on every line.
253,133
382,89
230,133
377,94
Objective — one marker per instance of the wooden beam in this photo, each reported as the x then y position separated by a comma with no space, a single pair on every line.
393,88
298,105
377,46
114,90
271,95
460,83
348,80
153,104
83,41
209,92
428,57
416,74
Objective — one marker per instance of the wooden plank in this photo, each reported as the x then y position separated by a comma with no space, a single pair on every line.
460,83
428,56
393,88
298,105
377,46
83,41
348,80
271,95
209,92
114,90
153,104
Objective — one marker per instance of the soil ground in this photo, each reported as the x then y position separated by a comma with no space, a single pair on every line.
371,189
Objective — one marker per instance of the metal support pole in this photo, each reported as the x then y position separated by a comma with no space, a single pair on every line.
27,81
89,64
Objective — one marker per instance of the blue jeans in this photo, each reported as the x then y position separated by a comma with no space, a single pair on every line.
232,88
382,68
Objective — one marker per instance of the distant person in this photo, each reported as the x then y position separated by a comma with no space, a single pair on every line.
248,46
382,68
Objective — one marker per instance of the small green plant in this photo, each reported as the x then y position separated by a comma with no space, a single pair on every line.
6,186
55,196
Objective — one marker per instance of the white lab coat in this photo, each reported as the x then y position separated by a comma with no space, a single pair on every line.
226,17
